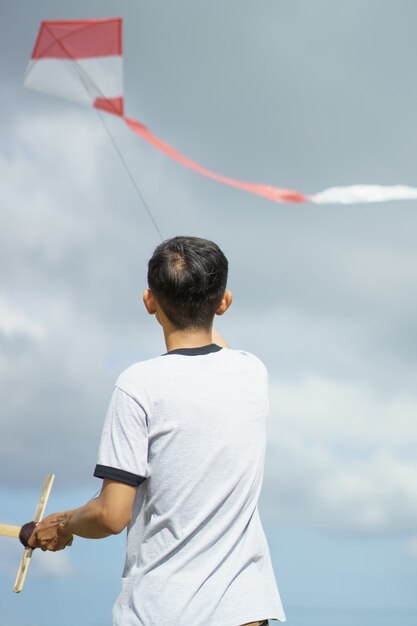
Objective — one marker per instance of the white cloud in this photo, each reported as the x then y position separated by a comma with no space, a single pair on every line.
70,294
350,413
14,321
343,414
52,564
338,458
50,187
43,564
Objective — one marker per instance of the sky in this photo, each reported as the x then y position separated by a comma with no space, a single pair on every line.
299,94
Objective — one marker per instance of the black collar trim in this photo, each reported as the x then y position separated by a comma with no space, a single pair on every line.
201,350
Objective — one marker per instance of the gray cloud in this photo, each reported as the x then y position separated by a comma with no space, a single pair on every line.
296,94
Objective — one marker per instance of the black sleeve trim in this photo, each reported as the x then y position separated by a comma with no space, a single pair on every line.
112,473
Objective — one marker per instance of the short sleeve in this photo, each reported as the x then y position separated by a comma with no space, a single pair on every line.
123,451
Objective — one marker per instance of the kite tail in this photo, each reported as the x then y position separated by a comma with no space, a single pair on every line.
276,194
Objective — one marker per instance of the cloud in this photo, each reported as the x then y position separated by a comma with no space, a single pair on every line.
323,296
72,272
342,419
53,565
13,321
53,345
43,564
340,458
344,413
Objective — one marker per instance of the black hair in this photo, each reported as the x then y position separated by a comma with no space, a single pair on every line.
188,276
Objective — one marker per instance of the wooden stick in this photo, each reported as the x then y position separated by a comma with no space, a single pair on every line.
40,510
23,570
9,531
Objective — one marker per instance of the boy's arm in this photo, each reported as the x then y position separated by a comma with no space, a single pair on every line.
218,339
108,514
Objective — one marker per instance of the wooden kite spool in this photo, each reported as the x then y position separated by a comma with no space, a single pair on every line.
15,531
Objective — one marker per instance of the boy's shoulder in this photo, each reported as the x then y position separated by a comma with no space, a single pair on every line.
147,379
248,358
141,370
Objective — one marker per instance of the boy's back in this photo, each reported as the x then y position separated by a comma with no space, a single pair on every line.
192,423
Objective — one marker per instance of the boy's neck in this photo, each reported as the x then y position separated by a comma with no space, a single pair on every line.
194,338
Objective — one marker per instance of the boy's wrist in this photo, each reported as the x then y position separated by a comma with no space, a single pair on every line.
65,524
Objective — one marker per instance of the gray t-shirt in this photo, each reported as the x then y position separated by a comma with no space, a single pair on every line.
189,430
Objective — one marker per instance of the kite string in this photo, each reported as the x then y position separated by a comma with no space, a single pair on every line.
129,173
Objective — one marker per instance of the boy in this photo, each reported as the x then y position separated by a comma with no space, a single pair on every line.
182,458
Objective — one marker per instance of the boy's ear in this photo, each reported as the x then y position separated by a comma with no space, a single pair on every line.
225,303
149,301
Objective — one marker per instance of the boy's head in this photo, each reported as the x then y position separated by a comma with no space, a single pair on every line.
187,276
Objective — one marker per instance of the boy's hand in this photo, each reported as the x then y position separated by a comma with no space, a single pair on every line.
50,533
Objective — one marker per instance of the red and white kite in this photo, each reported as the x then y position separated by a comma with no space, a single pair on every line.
81,60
